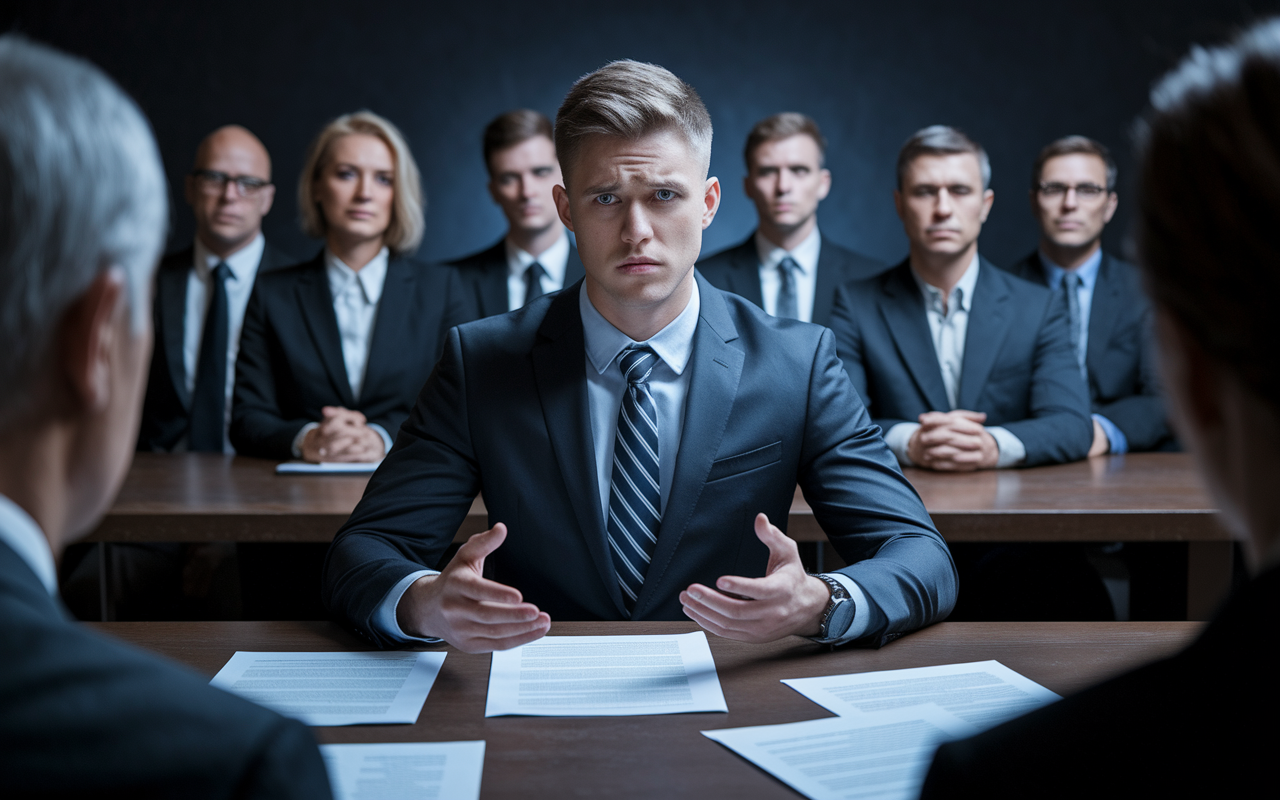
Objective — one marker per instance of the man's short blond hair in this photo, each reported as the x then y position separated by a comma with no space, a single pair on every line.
630,99
404,234
784,126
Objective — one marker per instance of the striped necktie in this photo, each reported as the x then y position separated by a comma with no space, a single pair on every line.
788,304
634,497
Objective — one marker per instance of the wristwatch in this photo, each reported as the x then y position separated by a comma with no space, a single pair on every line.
840,609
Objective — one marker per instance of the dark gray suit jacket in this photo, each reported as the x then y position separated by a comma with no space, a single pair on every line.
88,716
1123,384
166,410
769,406
1019,367
291,365
482,278
737,270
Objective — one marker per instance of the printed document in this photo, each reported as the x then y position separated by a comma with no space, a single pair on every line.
405,771
334,688
327,467
982,693
605,676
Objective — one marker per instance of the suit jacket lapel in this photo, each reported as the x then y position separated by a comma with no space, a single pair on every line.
988,324
493,286
717,367
172,289
559,369
392,327
903,310
1103,310
316,304
830,276
574,271
744,278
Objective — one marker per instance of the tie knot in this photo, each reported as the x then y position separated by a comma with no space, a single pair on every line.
1072,280
788,265
535,270
221,272
637,363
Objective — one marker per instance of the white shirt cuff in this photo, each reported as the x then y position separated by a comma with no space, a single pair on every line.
384,616
861,615
1012,451
296,447
386,437
898,437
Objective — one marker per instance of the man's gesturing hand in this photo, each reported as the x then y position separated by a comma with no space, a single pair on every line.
471,613
785,601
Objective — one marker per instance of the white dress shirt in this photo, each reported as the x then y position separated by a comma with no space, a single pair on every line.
669,385
355,305
24,537
244,269
949,324
554,261
806,277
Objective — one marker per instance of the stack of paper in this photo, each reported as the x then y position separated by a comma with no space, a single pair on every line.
405,771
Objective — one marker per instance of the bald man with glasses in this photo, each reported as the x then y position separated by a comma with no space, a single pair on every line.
201,294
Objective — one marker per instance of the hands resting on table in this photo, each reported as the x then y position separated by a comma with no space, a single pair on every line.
343,435
477,615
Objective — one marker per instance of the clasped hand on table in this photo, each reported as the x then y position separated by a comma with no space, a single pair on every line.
953,441
477,615
343,435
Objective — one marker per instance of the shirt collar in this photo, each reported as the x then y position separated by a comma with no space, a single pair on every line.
964,286
243,262
805,254
1088,271
554,259
370,277
673,344
23,534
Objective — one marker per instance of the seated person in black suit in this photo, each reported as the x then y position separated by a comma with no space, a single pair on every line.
962,365
199,303
334,351
635,434
1195,724
787,267
536,256
85,715
1073,194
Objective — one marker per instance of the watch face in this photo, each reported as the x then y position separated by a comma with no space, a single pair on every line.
841,617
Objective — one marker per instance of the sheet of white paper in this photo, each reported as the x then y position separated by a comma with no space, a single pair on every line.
326,467
605,676
883,756
983,693
334,688
405,771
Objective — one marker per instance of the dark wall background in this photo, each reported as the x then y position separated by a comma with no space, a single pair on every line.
1014,75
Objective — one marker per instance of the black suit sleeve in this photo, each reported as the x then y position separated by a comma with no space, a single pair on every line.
1141,416
399,526
873,516
257,427
849,345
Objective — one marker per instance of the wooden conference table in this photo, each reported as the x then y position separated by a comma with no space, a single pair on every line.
1142,497
666,756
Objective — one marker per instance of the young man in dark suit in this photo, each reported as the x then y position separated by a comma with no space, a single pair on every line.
85,715
1073,195
787,267
1195,724
635,435
536,256
962,365
201,294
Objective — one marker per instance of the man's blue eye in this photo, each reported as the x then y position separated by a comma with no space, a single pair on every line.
605,199
666,194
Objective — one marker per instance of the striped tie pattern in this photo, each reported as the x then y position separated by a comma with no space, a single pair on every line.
634,498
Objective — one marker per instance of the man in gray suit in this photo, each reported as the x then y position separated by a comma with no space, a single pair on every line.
84,715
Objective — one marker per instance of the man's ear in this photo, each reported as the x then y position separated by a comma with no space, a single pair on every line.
988,199
267,198
711,201
897,203
86,339
824,184
562,205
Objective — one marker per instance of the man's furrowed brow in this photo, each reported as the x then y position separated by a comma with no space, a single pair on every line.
603,188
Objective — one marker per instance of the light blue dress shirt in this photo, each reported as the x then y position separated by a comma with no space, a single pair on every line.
1088,274
24,537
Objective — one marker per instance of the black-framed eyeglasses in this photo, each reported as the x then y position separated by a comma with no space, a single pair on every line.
1085,191
213,182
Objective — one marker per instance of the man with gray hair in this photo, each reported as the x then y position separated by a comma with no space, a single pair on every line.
787,267
637,436
82,219
962,365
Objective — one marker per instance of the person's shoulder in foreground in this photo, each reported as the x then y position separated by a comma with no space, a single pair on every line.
84,716
1198,723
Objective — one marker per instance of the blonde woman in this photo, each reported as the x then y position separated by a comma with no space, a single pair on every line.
334,350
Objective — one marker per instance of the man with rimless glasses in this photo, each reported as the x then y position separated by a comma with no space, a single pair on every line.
201,293
1073,195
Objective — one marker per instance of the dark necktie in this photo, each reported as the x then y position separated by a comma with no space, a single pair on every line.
787,305
533,282
634,497
1071,285
208,401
